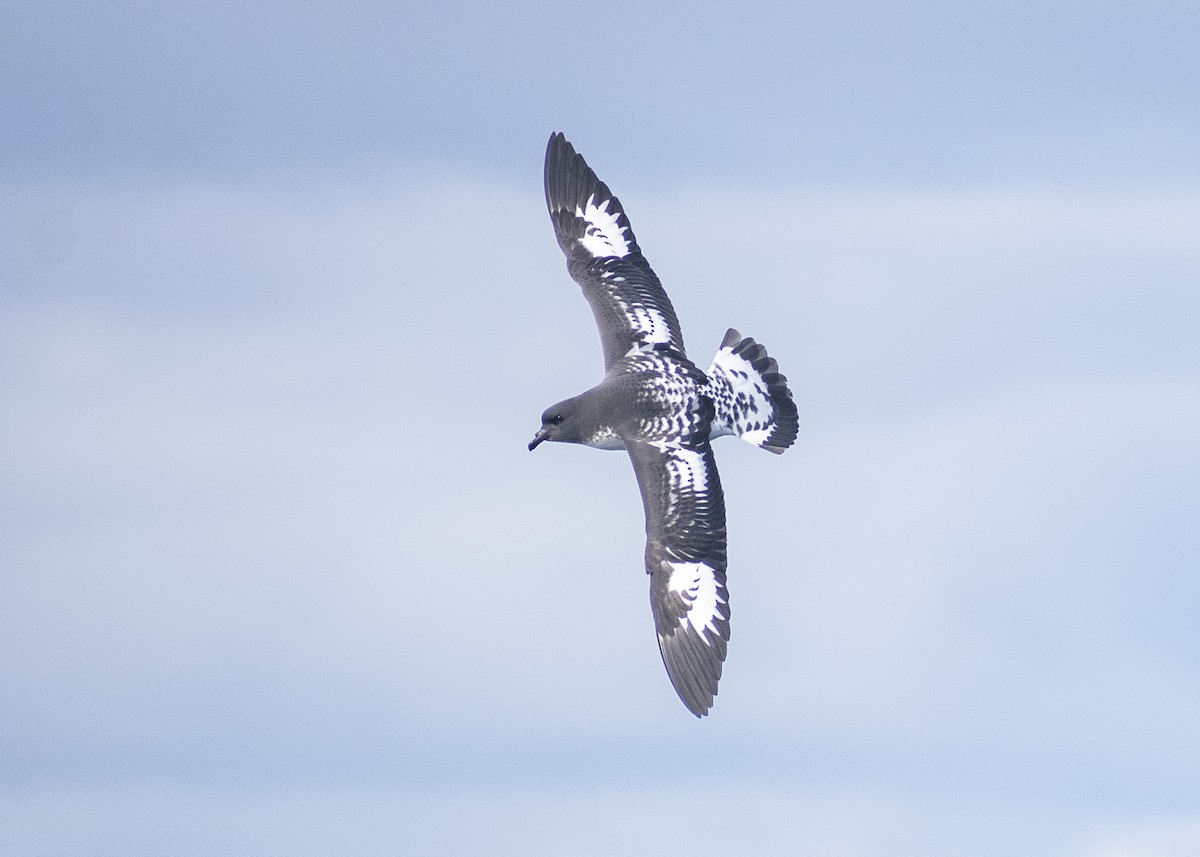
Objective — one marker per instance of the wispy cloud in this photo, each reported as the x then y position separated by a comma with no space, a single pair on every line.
266,482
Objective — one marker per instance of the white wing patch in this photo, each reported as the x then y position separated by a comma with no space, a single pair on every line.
687,469
696,584
603,237
647,321
651,322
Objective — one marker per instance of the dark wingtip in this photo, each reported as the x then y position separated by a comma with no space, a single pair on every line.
558,151
556,141
694,667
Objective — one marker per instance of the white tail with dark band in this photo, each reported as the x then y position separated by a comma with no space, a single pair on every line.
751,397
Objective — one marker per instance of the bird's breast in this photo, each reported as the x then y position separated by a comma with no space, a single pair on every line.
605,438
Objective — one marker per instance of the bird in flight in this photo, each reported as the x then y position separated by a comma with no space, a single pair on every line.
663,410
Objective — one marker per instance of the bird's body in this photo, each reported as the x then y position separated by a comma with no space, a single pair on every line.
663,410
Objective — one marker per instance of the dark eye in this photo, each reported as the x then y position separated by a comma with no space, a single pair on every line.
557,418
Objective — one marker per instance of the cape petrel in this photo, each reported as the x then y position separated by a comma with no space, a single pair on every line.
664,411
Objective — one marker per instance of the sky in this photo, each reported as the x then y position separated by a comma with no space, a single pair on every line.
280,307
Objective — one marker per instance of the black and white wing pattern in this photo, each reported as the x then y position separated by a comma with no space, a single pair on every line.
632,311
685,557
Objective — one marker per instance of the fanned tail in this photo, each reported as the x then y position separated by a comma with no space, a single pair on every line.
751,397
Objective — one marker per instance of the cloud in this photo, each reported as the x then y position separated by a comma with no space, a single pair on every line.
271,516
1148,840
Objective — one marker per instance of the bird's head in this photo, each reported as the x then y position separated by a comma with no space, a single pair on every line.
560,423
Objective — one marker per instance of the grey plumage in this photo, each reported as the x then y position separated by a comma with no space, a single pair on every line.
660,407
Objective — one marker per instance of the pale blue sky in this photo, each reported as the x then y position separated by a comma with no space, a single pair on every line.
280,307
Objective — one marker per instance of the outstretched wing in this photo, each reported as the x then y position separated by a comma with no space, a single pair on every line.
685,558
630,306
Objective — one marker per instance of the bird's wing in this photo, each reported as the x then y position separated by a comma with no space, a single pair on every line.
632,311
685,557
